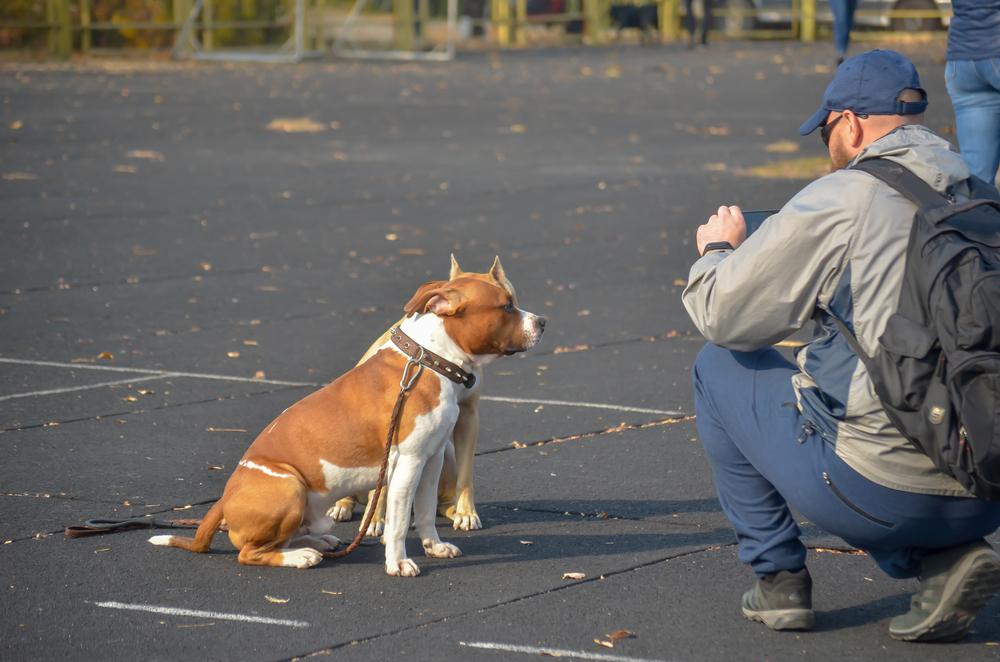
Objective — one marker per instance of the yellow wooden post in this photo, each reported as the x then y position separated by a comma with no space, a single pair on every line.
592,22
85,24
208,33
320,26
64,48
403,10
503,23
521,22
181,10
808,20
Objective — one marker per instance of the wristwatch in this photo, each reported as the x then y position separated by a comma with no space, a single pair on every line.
717,246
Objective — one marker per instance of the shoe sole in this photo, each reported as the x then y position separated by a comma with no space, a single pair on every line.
964,595
783,619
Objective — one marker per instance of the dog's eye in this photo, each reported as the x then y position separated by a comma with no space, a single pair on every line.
509,307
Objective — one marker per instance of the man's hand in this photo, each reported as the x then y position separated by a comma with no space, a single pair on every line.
727,225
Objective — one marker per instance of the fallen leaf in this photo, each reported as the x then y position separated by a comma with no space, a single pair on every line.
233,355
11,176
680,282
719,167
332,592
259,375
392,237
142,253
184,507
621,634
548,654
16,124
150,154
205,266
278,600
105,355
147,392
807,168
126,168
603,516
608,644
295,125
211,467
582,313
518,128
526,542
126,504
566,350
614,71
412,251
573,575
223,430
783,146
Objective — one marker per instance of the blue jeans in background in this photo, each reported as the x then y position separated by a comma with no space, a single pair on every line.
843,21
763,458
974,88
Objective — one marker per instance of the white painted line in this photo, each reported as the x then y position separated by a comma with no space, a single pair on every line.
146,371
592,405
197,613
71,389
557,652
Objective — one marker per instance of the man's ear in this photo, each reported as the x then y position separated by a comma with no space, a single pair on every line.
434,298
456,271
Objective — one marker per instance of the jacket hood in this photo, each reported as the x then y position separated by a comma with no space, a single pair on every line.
922,152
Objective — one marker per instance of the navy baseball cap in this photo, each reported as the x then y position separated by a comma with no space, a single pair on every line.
869,84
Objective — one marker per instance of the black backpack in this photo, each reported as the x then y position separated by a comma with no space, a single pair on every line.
937,368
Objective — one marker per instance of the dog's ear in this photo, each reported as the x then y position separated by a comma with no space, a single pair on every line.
498,275
456,271
435,298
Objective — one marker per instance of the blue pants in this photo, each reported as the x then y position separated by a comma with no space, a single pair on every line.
751,428
843,21
974,88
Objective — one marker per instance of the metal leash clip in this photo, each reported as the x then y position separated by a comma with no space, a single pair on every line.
403,384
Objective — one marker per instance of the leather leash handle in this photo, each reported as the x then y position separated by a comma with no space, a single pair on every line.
95,527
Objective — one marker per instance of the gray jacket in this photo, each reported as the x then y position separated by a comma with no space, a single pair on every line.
837,248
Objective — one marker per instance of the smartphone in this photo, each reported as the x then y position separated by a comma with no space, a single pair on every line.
755,218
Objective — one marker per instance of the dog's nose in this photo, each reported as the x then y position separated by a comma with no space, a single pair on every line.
541,323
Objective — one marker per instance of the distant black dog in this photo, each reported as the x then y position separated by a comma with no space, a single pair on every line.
643,17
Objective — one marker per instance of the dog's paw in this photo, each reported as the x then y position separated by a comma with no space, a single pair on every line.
375,530
329,543
441,550
341,514
404,568
467,522
305,557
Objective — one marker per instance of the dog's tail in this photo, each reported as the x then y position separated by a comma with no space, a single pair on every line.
202,539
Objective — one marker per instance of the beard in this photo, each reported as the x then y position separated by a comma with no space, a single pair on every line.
839,157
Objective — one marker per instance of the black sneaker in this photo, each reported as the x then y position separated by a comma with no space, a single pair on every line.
954,585
781,601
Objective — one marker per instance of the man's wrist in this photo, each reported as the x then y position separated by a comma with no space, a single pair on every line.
717,246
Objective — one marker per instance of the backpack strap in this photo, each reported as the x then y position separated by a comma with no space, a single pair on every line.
902,180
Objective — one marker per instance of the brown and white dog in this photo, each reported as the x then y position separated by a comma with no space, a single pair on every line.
456,499
329,444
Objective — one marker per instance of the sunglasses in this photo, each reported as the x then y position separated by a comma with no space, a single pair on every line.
827,129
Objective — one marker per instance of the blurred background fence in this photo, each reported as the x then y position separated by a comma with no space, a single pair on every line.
62,27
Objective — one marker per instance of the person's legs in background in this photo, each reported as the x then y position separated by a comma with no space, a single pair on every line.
974,88
761,448
843,21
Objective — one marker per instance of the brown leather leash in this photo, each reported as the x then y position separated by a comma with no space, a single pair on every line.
404,386
416,356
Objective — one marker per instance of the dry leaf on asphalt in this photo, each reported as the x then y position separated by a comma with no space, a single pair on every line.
621,634
295,125
278,600
604,643
573,575
105,355
150,154
526,542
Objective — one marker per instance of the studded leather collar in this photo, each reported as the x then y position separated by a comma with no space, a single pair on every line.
431,360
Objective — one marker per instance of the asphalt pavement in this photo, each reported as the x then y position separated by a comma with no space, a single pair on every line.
186,249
